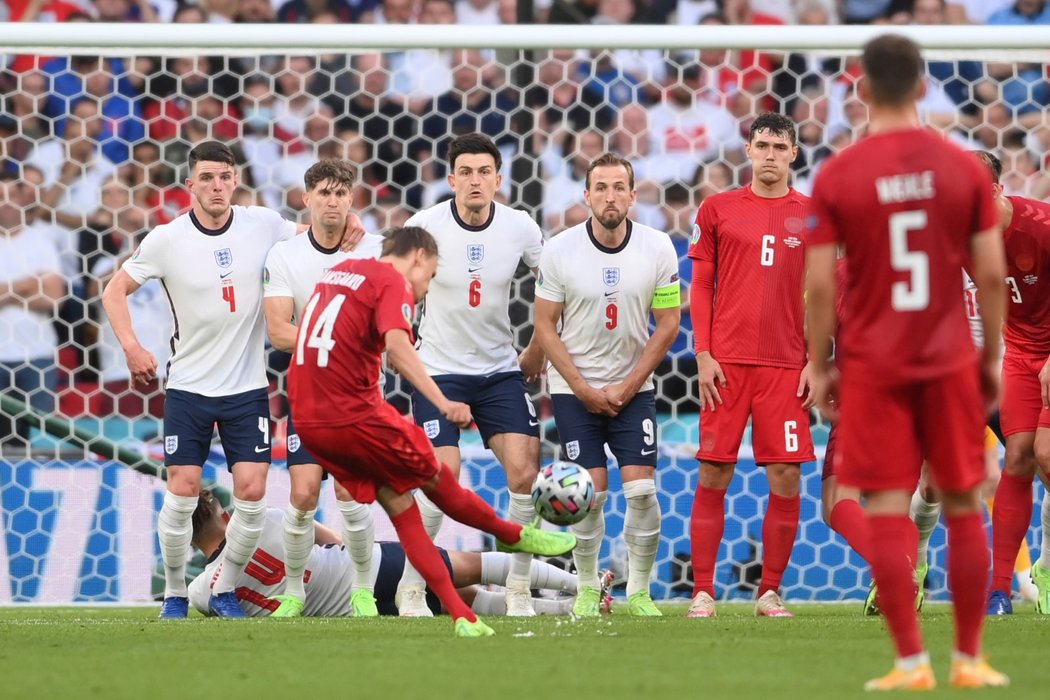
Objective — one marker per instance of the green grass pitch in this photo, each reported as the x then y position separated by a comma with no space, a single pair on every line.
827,651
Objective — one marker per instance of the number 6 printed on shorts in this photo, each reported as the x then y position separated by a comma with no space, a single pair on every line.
791,435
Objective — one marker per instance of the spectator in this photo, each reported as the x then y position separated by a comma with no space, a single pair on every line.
473,12
26,102
563,201
419,75
1023,12
30,288
974,11
123,11
348,11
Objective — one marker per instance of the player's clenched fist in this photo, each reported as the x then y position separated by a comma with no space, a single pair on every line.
142,364
458,413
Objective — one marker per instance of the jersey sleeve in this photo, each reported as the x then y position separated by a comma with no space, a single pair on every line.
533,248
703,244
393,310
668,294
276,282
820,222
549,284
147,262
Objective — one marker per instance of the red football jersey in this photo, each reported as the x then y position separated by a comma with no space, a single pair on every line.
338,350
904,205
1027,241
757,246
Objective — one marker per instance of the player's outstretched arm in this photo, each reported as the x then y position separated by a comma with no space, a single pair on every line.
141,362
403,358
278,312
989,273
668,324
547,315
820,314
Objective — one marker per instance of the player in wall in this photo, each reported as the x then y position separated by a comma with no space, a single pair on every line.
466,343
601,280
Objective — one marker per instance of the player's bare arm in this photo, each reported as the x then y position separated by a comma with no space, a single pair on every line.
141,362
278,312
532,359
1044,382
668,323
820,312
547,315
989,273
403,358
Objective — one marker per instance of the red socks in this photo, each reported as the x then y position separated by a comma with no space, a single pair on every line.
778,539
893,553
968,579
424,556
706,527
848,519
1010,519
468,508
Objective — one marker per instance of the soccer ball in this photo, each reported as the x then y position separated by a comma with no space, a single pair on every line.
563,493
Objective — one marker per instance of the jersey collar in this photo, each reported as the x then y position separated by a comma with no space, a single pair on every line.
465,225
317,246
605,248
212,231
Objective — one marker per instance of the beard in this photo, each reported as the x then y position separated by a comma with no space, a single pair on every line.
610,219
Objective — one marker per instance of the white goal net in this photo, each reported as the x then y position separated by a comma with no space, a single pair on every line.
94,132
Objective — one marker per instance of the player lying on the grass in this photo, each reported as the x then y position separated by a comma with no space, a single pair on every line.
330,572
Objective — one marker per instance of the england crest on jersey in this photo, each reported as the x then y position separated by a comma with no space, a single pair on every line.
224,258
294,443
475,253
572,449
611,275
171,443
432,428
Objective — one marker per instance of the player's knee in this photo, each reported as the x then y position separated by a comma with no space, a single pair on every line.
184,483
1042,451
303,498
250,491
716,475
1019,463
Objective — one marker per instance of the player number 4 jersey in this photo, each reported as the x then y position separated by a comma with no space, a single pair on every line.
608,294
465,328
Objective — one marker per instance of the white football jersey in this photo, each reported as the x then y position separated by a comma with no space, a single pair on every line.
608,294
212,281
973,314
465,327
327,581
294,267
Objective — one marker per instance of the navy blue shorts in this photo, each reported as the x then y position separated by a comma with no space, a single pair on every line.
189,420
631,435
297,452
500,404
391,566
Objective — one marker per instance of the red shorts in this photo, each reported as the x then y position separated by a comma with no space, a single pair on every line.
829,454
884,433
779,426
379,448
1021,409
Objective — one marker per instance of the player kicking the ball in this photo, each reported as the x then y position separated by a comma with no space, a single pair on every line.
359,309
600,280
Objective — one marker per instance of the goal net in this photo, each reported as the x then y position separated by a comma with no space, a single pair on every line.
96,126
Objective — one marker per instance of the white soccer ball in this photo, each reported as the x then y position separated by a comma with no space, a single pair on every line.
563,493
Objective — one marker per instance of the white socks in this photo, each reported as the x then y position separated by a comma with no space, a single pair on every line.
298,541
432,518
589,535
496,565
242,536
925,515
521,511
359,534
1044,545
641,532
175,530
495,603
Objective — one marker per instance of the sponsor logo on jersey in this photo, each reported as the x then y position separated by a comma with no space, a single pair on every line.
266,275
572,449
294,443
674,278
475,253
611,275
135,255
409,312
171,443
1030,279
432,428
539,279
694,238
792,242
223,258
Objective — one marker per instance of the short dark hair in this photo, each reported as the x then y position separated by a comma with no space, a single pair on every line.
473,143
607,160
207,506
994,165
402,242
776,124
211,152
893,65
337,170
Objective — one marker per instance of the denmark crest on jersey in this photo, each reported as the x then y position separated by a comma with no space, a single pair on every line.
223,258
171,443
475,253
611,275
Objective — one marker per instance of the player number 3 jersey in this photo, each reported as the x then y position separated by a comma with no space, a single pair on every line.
607,293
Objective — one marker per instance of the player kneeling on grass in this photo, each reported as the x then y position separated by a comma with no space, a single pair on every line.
330,572
359,309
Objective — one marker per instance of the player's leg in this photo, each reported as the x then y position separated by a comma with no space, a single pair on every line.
582,436
782,441
925,512
1040,574
721,431
840,505
509,425
359,536
244,429
298,528
187,437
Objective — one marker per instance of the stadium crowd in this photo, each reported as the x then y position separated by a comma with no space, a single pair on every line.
90,145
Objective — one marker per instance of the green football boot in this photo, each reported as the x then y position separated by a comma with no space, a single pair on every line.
363,603
290,606
466,628
642,605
